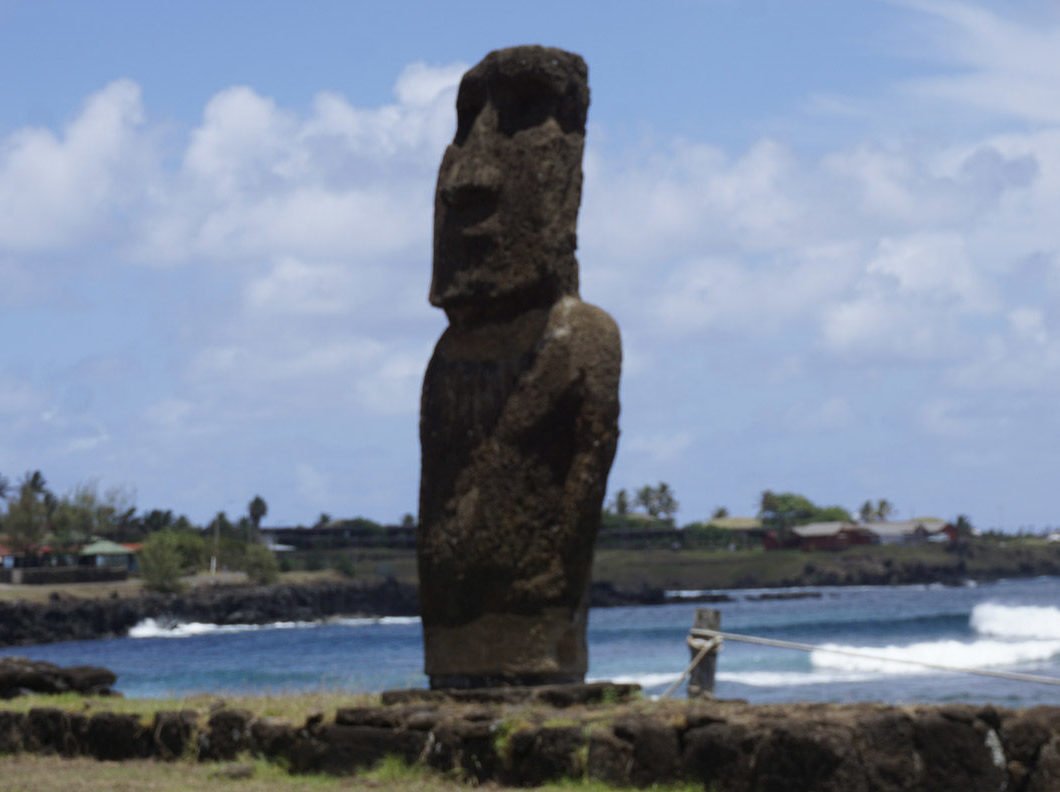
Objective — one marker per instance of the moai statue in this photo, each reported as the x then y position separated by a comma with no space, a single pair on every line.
519,417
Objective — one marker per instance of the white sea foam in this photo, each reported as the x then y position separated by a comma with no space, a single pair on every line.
155,628
162,628
788,678
1017,621
957,654
367,621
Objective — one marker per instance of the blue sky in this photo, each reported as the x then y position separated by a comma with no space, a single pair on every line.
827,230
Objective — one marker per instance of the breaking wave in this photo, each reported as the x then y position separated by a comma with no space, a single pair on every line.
768,679
958,654
1032,633
366,621
1010,636
165,628
1017,621
161,628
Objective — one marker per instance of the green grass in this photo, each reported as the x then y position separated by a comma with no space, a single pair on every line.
656,567
25,773
292,707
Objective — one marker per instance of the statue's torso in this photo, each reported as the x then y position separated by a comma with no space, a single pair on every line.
519,426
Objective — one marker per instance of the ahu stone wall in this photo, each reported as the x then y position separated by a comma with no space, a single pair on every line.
580,731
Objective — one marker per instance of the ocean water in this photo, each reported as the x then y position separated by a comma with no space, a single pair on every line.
1007,625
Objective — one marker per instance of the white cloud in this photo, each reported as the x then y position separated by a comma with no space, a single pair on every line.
940,417
313,485
661,447
393,386
305,234
294,287
873,328
169,413
86,442
669,203
933,265
831,414
59,190
1029,324
421,84
18,397
753,295
1007,66
340,181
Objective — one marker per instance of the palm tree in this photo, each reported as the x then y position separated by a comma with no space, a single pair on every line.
257,509
884,509
665,501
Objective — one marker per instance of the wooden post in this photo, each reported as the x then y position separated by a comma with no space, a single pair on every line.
701,680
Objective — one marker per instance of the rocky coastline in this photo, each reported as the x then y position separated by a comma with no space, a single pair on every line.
64,618
73,619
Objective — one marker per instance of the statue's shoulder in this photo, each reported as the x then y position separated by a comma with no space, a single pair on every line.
590,341
582,323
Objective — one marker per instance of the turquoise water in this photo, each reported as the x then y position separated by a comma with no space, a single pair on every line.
1012,625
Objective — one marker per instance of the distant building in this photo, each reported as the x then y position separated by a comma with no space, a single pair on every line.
832,535
915,531
749,525
339,534
105,553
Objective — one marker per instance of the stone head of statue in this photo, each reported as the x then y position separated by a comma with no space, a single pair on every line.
509,186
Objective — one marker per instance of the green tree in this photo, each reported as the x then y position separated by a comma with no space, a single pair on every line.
867,513
720,513
257,509
157,520
884,509
26,522
83,513
832,514
219,528
964,527
190,546
782,511
160,563
659,501
665,501
322,520
408,521
260,565
621,504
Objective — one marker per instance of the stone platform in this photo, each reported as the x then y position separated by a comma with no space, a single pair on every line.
527,740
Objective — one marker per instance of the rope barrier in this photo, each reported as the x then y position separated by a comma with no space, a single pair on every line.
713,642
1014,676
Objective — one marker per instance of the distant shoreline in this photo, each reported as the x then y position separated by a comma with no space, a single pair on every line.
658,578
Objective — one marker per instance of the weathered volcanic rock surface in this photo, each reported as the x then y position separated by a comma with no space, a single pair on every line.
577,731
70,619
19,675
519,419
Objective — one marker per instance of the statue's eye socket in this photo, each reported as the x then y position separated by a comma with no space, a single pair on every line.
469,103
522,105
